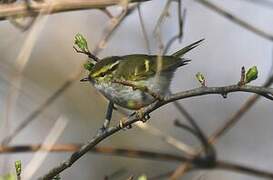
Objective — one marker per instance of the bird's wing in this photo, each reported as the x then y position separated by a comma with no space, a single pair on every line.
140,67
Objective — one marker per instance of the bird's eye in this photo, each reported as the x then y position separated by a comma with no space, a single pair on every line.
102,74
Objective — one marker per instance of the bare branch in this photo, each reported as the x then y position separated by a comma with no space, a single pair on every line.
146,111
228,166
229,123
20,9
144,32
110,30
224,165
124,152
235,19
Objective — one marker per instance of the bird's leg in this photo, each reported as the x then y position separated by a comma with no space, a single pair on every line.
122,122
140,114
108,117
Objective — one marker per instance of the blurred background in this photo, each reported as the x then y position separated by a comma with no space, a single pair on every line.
227,47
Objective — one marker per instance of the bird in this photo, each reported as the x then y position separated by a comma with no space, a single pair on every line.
133,81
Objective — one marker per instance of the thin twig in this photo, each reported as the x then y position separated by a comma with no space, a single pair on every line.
107,12
229,123
144,31
224,165
236,117
38,158
64,87
236,19
132,119
186,149
104,150
192,131
23,57
37,112
243,77
88,53
114,24
228,166
181,22
20,10
264,3
157,29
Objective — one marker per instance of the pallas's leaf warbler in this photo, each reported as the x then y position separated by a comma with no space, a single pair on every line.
149,71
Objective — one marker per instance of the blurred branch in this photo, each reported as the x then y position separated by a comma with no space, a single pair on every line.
228,166
38,158
130,153
186,149
224,165
110,30
37,112
229,123
157,29
60,148
20,9
23,58
224,90
181,21
146,111
235,19
236,117
264,3
144,31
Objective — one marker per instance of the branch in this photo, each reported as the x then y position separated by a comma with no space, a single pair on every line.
229,123
124,152
20,9
222,91
228,166
235,19
109,31
224,165
146,111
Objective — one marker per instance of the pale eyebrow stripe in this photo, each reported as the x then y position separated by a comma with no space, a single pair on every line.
106,69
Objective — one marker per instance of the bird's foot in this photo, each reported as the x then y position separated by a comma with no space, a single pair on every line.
122,122
140,114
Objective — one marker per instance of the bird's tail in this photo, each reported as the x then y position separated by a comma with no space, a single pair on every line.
187,48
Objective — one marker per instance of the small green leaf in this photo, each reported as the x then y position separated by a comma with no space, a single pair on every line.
201,78
251,74
18,167
88,66
81,42
142,177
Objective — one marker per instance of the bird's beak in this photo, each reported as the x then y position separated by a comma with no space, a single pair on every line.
85,79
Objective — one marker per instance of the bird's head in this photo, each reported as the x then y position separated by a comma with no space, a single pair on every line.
102,71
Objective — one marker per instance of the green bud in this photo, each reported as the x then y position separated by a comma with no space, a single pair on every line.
142,177
251,74
81,42
88,66
201,78
18,167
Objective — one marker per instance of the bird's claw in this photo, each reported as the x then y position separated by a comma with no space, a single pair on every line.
122,124
140,114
